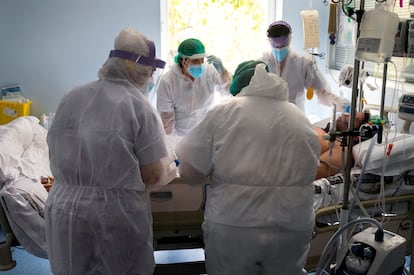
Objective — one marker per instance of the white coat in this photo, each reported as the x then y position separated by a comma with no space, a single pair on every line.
300,73
98,217
188,100
261,154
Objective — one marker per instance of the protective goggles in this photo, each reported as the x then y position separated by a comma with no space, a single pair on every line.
150,60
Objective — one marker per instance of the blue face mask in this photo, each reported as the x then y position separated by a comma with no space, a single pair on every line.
280,53
146,90
196,70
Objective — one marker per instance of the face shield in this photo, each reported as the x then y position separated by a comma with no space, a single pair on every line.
149,60
149,66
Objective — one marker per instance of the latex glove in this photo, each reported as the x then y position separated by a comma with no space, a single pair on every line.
216,63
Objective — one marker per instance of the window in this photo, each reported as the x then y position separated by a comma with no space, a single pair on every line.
233,30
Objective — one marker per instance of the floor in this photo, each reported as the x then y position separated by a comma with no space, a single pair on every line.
169,262
182,262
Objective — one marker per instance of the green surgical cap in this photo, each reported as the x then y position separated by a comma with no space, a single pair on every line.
243,74
192,48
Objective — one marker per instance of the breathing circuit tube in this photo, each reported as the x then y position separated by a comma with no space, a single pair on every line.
324,261
361,175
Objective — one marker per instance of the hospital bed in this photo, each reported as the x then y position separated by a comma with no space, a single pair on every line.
24,159
178,207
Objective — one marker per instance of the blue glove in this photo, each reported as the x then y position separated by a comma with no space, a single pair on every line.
347,108
216,63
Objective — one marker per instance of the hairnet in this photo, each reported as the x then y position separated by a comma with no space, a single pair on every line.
132,42
279,33
243,74
191,48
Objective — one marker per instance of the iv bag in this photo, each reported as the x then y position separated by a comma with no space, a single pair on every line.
310,19
376,41
346,37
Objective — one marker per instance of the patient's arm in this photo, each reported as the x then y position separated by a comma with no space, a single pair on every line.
168,120
330,161
151,173
190,175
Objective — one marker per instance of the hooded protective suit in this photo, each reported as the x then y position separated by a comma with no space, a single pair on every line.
261,154
98,216
300,73
188,100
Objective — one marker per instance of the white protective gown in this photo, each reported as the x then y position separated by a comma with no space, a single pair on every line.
189,100
300,73
261,154
98,216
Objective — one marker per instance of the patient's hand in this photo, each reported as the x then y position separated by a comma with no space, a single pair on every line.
47,182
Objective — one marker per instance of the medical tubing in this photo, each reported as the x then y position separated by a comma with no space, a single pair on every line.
177,164
382,184
346,13
379,234
361,174
361,206
332,138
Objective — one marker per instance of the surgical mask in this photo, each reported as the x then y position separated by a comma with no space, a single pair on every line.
280,53
146,90
196,70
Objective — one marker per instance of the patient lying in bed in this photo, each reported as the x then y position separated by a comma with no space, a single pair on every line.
332,161
386,167
24,159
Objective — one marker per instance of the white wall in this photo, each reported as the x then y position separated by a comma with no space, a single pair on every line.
50,46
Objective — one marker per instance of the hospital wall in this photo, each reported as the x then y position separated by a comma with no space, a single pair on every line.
50,46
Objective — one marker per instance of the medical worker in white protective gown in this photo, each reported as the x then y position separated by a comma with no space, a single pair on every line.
261,155
106,147
187,91
300,72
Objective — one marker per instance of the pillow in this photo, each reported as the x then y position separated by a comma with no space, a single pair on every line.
35,159
15,137
399,161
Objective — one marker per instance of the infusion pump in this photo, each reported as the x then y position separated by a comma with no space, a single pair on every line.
406,107
404,39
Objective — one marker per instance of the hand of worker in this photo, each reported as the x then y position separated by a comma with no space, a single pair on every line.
344,106
216,63
47,182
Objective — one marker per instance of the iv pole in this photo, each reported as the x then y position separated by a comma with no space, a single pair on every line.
344,213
